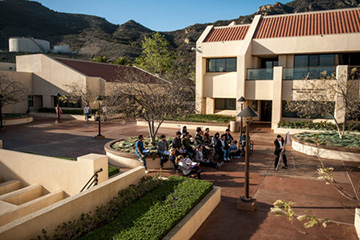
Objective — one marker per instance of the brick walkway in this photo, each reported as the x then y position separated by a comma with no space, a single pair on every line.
298,183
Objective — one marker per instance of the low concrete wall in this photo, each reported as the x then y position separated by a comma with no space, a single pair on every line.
296,130
187,227
346,154
17,121
357,221
63,116
130,160
189,125
70,208
52,173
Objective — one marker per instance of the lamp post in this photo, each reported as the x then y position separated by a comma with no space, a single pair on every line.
246,202
58,109
1,105
99,99
242,100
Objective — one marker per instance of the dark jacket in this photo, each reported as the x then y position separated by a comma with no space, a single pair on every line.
219,146
228,138
187,144
277,146
177,143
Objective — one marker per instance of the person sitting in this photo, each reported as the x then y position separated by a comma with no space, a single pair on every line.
243,141
188,145
199,141
203,161
141,152
163,150
187,166
172,158
234,151
215,139
228,138
176,143
183,131
206,137
222,148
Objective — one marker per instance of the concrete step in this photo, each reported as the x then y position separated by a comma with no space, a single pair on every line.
23,195
9,186
31,206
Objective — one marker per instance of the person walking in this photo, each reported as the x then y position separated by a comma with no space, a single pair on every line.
279,149
86,112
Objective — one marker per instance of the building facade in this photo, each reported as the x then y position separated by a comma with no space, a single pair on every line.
267,61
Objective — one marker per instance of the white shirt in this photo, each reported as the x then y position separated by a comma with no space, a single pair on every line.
280,143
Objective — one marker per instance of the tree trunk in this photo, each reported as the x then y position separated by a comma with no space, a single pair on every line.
151,131
343,128
1,119
340,133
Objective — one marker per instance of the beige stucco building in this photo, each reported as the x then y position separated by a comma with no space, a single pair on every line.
267,60
44,77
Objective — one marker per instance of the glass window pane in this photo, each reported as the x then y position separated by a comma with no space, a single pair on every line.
313,60
231,65
268,64
220,65
225,104
211,65
327,60
301,61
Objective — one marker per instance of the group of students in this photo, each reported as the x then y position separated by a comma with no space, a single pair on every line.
188,153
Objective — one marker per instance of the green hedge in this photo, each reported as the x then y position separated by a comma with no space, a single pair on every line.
113,170
330,139
207,118
14,115
355,127
66,111
155,214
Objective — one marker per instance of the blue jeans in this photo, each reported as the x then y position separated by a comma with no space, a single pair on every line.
143,159
226,153
86,116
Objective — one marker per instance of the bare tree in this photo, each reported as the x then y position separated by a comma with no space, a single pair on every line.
77,90
142,95
11,92
321,96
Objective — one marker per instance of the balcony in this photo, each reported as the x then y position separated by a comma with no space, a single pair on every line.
309,73
260,74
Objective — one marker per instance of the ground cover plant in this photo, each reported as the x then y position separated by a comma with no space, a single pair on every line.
128,144
206,118
354,127
14,115
330,139
156,213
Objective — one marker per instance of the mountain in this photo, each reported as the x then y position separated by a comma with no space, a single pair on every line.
92,35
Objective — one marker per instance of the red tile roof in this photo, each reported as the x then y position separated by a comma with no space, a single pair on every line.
316,23
227,34
109,72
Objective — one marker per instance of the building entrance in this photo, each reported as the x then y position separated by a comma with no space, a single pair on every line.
266,109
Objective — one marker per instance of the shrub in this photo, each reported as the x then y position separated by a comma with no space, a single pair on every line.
352,126
207,118
113,170
330,139
66,111
155,214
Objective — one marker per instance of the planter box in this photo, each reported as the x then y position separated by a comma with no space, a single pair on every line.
188,226
336,153
17,121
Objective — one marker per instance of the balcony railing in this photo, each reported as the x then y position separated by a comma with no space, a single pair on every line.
260,74
309,73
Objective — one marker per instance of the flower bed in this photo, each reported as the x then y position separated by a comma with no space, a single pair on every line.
355,127
204,118
330,139
155,214
128,144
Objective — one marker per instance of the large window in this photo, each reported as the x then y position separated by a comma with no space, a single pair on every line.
221,65
225,104
323,60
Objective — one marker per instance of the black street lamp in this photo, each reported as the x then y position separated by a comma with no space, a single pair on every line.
1,105
247,202
57,108
99,99
242,101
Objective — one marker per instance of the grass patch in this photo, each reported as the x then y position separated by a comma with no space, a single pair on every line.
113,170
206,118
330,139
354,127
156,213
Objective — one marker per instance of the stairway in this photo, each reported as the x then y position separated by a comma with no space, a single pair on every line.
17,201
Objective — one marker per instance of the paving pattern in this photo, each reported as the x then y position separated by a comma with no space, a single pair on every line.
298,183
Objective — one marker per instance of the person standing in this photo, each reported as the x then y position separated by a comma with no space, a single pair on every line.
279,149
86,112
222,148
141,152
58,112
163,150
228,137
243,142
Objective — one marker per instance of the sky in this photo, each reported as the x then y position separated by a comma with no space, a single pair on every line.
160,15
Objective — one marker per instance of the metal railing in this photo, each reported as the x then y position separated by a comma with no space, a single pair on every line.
309,73
260,74
93,181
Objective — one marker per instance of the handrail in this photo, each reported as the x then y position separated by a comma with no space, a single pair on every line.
92,180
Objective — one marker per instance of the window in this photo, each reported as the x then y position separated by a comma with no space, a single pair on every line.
30,101
225,104
221,65
323,60
269,62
